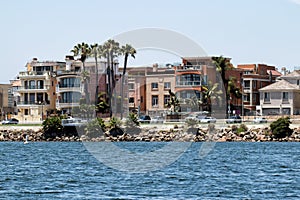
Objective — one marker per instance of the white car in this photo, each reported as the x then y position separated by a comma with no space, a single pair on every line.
208,120
195,117
157,120
260,120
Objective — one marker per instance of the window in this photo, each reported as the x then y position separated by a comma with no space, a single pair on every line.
247,84
131,86
267,97
166,99
246,97
142,99
32,98
298,82
26,112
131,99
31,84
167,85
154,100
285,96
70,97
40,84
154,86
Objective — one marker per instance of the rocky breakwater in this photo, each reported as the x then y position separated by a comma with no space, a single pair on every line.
157,134
183,134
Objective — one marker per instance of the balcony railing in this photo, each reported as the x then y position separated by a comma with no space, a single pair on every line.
32,103
189,67
188,83
35,87
69,85
34,73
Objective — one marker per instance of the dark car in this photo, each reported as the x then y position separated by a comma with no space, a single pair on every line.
234,119
145,119
10,121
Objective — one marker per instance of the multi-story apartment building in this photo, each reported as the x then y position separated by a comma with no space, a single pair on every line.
159,82
254,77
37,93
194,73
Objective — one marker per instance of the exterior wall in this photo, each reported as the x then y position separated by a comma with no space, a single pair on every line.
160,78
259,76
6,101
277,105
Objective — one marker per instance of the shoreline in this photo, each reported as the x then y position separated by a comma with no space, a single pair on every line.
154,133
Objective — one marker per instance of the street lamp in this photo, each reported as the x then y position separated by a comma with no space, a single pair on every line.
42,113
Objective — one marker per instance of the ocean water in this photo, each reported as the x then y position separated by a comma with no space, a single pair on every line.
66,170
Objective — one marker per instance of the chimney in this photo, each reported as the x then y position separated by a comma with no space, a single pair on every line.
69,60
155,67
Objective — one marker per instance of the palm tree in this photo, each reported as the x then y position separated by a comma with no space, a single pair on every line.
211,93
222,65
126,51
111,50
94,49
83,50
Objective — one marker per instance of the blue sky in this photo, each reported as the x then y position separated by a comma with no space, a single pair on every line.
248,31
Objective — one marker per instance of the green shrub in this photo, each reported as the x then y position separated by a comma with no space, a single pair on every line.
281,127
52,127
191,122
242,128
132,120
95,128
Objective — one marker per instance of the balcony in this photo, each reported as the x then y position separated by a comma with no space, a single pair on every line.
34,88
189,67
34,74
31,103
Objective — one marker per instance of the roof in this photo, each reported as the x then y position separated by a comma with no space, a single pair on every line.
295,73
274,72
280,85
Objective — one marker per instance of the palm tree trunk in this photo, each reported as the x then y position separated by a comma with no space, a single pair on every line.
86,87
97,81
109,83
122,84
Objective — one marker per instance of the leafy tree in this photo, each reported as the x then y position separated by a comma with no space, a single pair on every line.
281,127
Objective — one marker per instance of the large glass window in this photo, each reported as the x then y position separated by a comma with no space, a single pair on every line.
31,84
189,79
70,97
70,82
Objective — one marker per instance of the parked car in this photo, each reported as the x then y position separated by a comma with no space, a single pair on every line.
260,120
234,119
195,117
145,119
10,121
208,120
157,120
